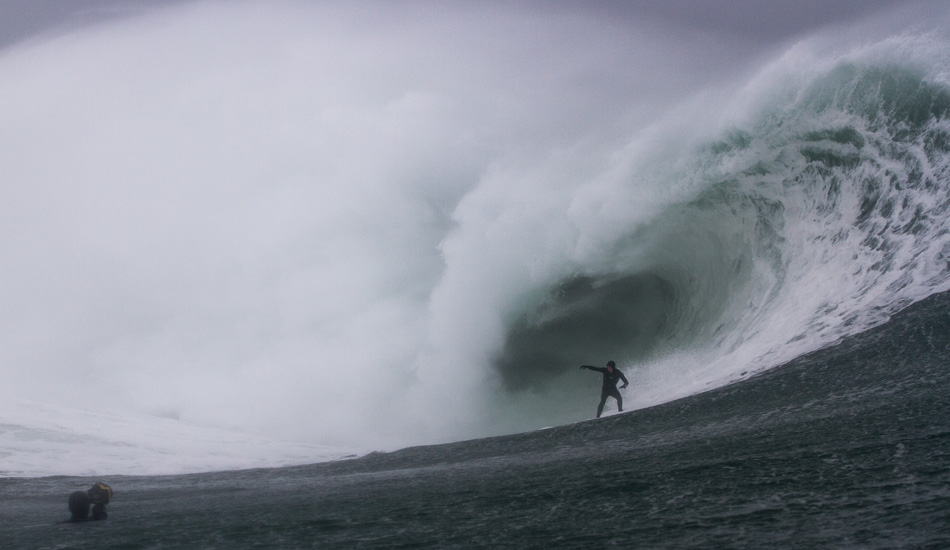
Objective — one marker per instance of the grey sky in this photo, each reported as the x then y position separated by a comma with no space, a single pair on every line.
756,21
763,21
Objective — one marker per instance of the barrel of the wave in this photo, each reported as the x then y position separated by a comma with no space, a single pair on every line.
98,496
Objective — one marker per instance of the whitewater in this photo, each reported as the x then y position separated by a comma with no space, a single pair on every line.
352,234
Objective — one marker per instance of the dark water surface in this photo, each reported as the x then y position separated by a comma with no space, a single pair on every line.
848,447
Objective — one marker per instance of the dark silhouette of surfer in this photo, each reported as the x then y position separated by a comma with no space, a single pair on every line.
98,496
611,376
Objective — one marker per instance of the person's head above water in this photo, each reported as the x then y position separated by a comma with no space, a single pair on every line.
611,365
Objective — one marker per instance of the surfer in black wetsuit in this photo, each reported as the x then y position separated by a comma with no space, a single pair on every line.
611,375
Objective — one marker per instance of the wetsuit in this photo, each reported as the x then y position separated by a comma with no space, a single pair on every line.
609,388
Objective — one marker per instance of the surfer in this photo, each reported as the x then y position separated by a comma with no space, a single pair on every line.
611,375
98,496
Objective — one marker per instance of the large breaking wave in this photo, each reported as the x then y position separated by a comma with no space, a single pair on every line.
817,216
385,244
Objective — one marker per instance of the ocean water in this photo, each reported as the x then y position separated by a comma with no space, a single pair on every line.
847,447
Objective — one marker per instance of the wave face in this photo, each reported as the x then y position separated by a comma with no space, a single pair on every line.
819,215
377,232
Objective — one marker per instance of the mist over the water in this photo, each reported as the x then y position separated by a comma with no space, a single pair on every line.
376,226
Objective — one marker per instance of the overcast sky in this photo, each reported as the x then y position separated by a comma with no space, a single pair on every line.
756,21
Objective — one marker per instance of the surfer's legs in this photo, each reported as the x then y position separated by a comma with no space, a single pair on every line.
604,394
603,401
616,394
